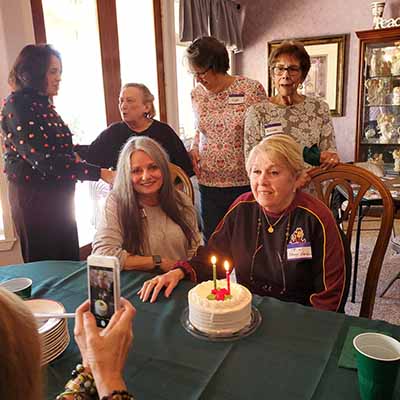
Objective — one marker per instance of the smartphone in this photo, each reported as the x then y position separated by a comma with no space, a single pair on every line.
103,287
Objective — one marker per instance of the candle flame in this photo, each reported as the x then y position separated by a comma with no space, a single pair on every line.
213,260
226,266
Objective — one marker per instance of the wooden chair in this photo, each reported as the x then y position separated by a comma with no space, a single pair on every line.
181,180
178,176
353,182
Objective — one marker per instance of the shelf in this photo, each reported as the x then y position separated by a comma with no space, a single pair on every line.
376,142
381,105
377,79
383,77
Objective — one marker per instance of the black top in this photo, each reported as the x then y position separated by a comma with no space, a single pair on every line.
38,144
104,150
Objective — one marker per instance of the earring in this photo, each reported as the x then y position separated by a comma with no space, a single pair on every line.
301,86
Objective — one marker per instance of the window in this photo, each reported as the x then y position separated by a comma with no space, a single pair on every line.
71,26
135,33
87,32
185,85
7,237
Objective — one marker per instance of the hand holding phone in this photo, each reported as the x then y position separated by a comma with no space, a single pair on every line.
103,287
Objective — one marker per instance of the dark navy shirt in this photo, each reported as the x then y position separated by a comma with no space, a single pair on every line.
105,149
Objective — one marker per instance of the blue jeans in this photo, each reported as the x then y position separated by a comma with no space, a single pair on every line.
215,202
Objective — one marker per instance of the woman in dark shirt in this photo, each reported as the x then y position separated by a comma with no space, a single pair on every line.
137,113
39,160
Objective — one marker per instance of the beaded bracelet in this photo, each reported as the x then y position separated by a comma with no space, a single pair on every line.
82,385
118,395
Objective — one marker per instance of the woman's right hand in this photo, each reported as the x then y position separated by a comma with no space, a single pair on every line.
104,351
195,156
153,286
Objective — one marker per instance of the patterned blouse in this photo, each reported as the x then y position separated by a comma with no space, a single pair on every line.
308,123
37,143
219,119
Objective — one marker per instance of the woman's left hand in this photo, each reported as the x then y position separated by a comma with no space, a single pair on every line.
153,286
329,159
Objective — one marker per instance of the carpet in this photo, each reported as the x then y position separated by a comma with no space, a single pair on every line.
386,308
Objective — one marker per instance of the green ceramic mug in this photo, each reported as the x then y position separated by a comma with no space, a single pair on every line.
19,286
378,360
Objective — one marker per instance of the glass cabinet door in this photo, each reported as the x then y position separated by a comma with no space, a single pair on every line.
379,106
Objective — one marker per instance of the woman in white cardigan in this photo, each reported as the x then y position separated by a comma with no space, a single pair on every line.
146,222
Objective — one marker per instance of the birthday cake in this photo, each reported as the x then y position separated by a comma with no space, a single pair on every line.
219,313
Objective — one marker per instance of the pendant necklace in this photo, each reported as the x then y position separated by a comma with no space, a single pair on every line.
271,226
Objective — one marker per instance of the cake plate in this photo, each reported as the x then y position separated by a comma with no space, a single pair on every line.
255,322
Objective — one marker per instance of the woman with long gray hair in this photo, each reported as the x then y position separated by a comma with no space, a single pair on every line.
146,222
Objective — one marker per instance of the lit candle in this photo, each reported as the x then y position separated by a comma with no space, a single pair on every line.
214,267
228,276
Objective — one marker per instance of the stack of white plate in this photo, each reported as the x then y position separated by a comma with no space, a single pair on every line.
53,332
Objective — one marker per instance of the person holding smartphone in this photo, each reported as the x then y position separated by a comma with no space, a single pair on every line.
146,222
104,352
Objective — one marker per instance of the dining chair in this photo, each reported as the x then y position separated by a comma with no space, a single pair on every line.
395,245
355,183
182,181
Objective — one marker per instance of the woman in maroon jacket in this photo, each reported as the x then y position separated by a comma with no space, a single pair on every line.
282,242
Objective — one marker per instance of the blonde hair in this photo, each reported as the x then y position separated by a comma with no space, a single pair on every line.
278,147
20,370
148,97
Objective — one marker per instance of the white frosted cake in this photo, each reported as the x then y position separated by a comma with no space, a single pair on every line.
219,317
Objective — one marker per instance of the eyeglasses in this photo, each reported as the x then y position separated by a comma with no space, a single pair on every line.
292,70
200,74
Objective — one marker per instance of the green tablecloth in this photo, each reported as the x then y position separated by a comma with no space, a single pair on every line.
293,355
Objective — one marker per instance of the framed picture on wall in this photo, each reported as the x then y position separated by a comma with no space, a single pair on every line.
326,76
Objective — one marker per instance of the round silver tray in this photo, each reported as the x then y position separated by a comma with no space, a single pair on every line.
246,331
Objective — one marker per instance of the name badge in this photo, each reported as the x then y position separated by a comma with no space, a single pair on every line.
236,99
272,129
299,251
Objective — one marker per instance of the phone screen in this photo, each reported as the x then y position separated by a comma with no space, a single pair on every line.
101,294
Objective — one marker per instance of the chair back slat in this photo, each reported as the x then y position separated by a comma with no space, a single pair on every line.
355,182
183,182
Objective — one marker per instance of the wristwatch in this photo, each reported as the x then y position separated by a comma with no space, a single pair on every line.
157,261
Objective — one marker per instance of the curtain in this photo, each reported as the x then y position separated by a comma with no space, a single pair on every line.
218,18
194,16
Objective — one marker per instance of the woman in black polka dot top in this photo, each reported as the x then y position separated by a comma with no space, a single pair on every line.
39,160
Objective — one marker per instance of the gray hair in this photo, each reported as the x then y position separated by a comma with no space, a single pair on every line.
129,208
148,97
279,146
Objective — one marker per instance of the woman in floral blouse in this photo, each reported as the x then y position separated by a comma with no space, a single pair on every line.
304,118
219,101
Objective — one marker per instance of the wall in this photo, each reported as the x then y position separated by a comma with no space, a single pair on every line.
267,20
16,30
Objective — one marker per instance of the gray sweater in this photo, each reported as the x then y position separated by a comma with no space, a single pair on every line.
164,237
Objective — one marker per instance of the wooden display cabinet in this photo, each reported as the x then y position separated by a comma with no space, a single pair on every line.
378,110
